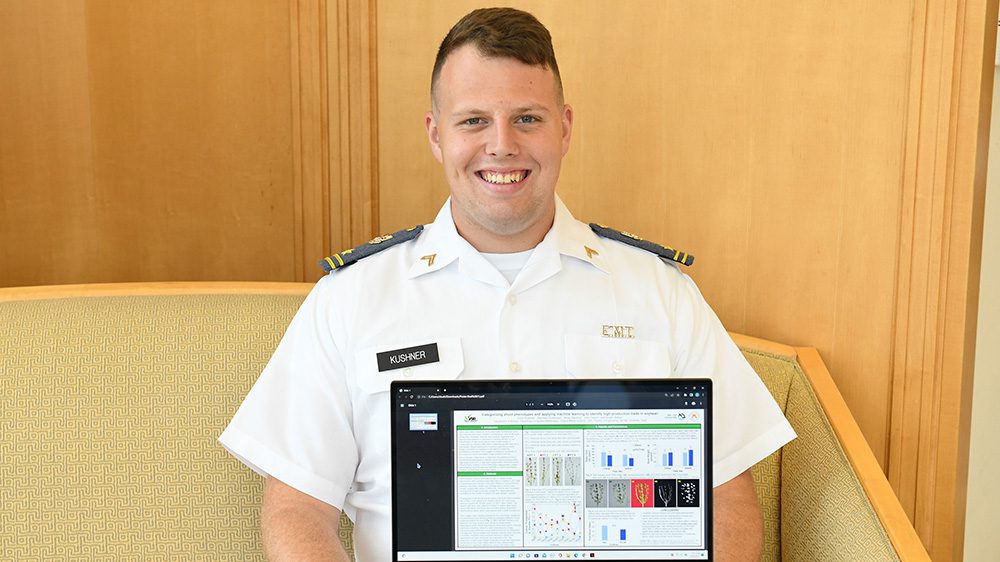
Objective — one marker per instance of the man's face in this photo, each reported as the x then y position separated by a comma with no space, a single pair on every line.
500,131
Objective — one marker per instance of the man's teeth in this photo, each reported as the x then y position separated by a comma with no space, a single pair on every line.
510,177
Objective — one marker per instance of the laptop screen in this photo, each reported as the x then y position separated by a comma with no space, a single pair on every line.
514,470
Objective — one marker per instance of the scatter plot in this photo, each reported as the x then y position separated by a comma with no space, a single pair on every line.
553,524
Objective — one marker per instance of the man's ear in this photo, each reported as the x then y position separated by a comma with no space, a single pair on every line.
433,135
567,127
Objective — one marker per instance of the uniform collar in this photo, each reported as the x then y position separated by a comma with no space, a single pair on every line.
575,239
441,245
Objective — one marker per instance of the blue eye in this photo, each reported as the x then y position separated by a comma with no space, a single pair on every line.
526,119
473,121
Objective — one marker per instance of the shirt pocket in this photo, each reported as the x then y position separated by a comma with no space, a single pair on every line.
448,367
589,356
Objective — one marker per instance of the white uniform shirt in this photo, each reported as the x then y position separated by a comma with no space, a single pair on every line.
318,417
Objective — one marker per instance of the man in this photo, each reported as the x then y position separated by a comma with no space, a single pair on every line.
505,282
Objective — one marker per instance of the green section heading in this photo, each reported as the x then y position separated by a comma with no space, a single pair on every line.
495,473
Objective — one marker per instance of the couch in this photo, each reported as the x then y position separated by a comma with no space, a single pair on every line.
112,397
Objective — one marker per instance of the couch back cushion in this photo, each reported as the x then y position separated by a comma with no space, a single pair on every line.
814,507
110,409
825,514
777,373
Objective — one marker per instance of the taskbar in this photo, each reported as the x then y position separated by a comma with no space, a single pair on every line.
555,555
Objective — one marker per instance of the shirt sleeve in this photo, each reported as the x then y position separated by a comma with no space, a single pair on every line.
748,425
295,423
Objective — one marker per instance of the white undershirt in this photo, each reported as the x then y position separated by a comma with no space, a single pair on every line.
509,264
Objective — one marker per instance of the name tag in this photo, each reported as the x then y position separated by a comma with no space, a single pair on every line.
407,357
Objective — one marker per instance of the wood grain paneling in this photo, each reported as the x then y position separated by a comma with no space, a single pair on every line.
48,194
311,151
940,243
147,140
190,111
357,137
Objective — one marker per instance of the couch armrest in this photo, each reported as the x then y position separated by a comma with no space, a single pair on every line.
895,523
883,499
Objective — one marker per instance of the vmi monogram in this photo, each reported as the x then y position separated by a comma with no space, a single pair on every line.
624,332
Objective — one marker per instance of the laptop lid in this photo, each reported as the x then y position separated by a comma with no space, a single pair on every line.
599,469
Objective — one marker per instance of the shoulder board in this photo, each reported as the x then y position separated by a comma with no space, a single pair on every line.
670,254
373,246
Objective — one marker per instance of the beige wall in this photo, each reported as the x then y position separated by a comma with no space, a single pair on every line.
982,542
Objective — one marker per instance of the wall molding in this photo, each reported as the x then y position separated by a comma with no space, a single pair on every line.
308,26
940,242
355,202
335,127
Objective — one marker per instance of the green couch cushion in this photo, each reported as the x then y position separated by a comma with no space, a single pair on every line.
826,514
777,374
813,504
110,409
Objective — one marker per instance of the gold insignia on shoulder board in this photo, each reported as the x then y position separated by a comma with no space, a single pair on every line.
620,332
630,235
380,239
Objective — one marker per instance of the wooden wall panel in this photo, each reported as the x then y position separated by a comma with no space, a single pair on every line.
755,139
943,192
311,148
153,140
48,197
353,60
192,131
411,185
825,191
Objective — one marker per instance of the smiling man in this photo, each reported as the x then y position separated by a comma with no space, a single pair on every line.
500,129
504,283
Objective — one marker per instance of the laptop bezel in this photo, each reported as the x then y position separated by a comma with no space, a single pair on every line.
479,386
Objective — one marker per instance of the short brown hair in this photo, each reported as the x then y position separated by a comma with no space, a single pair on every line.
501,33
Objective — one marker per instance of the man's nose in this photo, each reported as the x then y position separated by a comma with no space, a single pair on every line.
503,141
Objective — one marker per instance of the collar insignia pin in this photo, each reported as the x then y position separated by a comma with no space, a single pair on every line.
429,259
591,252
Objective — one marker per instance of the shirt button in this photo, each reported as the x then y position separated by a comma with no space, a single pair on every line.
616,366
512,299
515,367
408,372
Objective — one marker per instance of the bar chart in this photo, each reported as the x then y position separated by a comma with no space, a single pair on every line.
657,453
643,458
686,458
611,534
609,460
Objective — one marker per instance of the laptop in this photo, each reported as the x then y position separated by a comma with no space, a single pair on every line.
596,469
